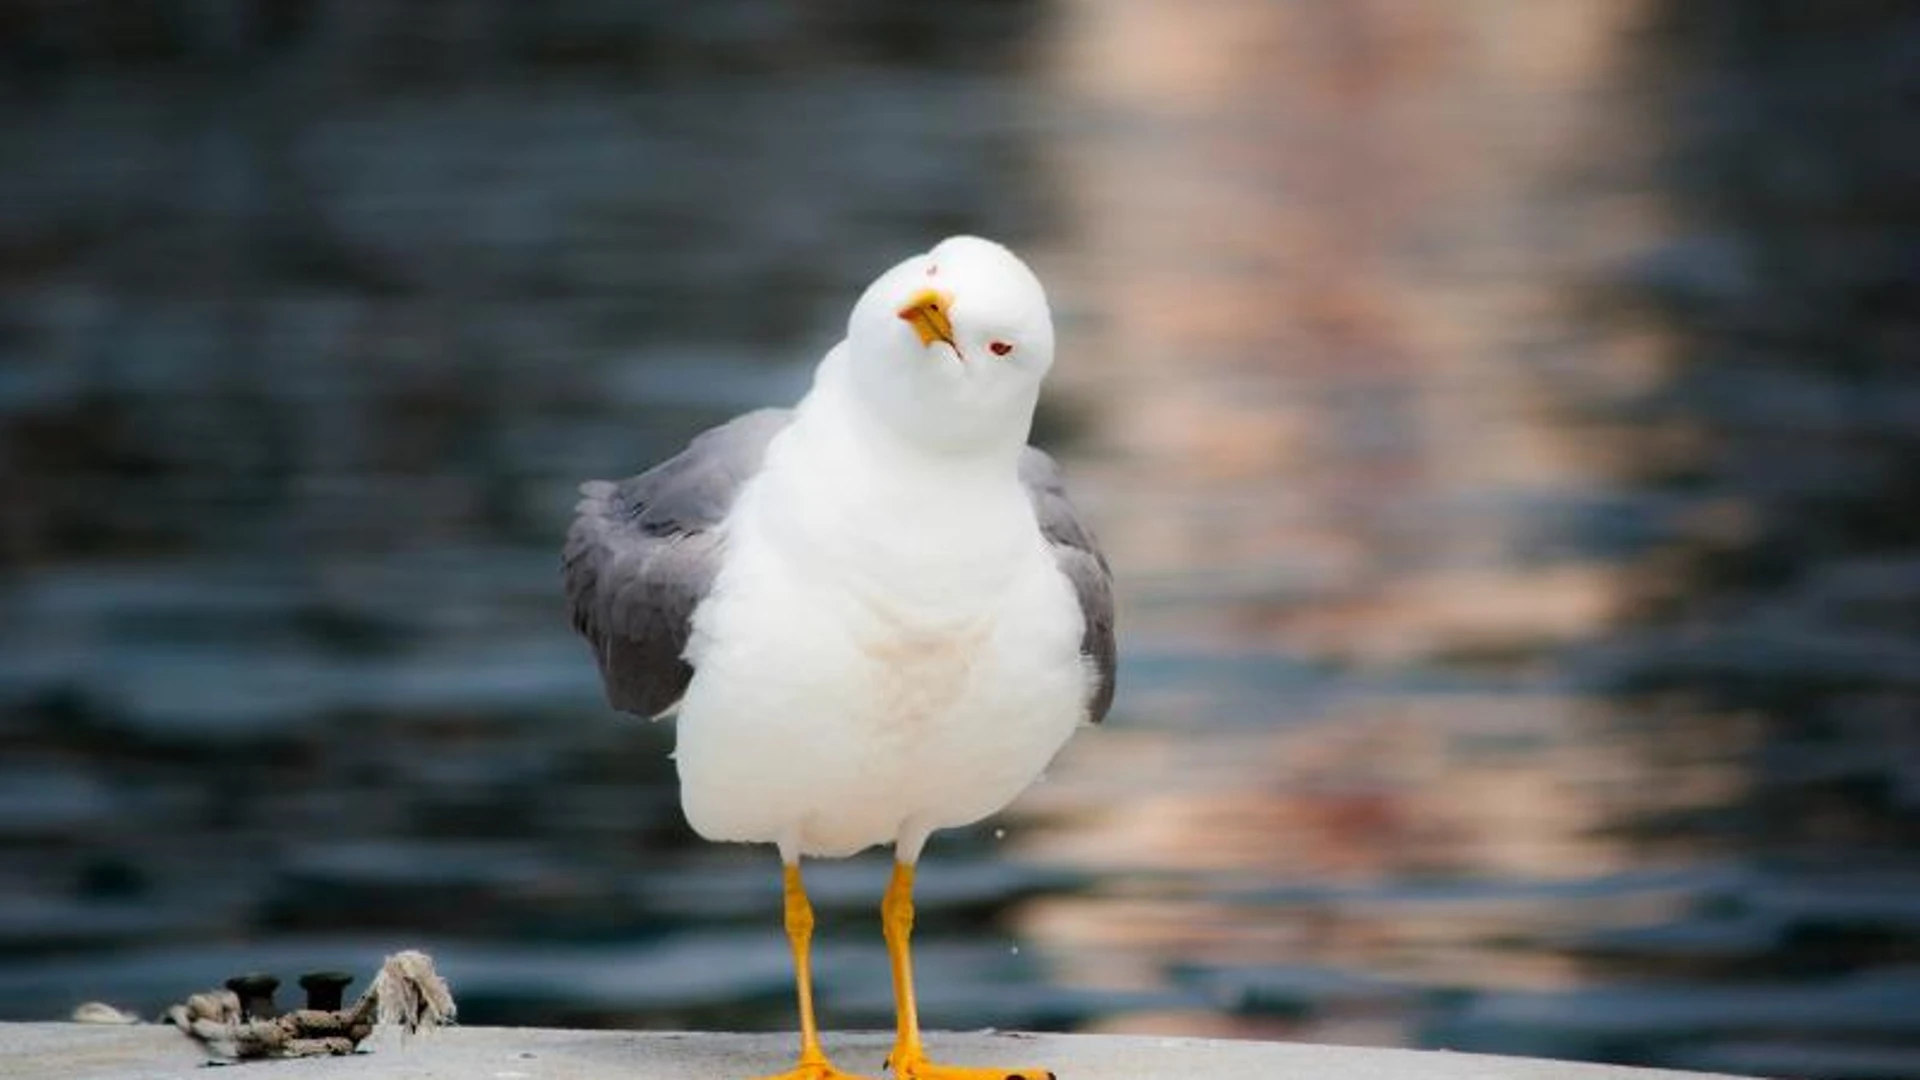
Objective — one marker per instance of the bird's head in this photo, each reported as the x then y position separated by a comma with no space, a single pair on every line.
948,347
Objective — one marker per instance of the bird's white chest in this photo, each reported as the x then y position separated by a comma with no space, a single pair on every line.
855,669
884,633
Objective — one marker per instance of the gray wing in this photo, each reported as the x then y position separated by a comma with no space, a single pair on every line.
642,553
1078,556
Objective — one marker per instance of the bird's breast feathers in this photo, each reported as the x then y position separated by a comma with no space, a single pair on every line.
899,636
853,585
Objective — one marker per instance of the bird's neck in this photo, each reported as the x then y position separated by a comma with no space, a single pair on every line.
970,518
986,445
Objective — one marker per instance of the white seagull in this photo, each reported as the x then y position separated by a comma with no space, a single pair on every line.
875,614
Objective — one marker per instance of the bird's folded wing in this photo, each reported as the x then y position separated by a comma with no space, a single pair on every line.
643,552
1079,557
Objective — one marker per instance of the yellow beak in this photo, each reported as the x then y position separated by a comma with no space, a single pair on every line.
930,314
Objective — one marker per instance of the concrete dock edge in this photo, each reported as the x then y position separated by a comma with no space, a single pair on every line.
157,1052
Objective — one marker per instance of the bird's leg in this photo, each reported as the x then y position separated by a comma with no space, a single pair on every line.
799,916
909,1057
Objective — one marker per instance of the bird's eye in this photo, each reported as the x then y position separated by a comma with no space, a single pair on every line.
1000,348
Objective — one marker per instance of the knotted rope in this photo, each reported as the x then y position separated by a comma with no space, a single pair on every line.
406,993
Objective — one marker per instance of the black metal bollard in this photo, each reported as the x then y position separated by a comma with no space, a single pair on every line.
325,989
255,992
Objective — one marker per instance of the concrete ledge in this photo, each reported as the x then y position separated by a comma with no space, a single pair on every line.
154,1052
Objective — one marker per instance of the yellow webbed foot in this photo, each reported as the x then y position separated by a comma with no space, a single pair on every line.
917,1067
814,1069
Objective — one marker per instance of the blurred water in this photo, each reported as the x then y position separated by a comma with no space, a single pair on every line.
1502,419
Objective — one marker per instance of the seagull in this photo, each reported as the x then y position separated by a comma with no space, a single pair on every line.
872,616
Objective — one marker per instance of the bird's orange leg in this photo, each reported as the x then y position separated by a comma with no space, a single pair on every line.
909,1058
813,1061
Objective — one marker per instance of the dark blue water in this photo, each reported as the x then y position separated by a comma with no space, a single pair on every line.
1503,423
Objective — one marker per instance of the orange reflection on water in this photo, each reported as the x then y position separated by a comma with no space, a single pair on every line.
1353,843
